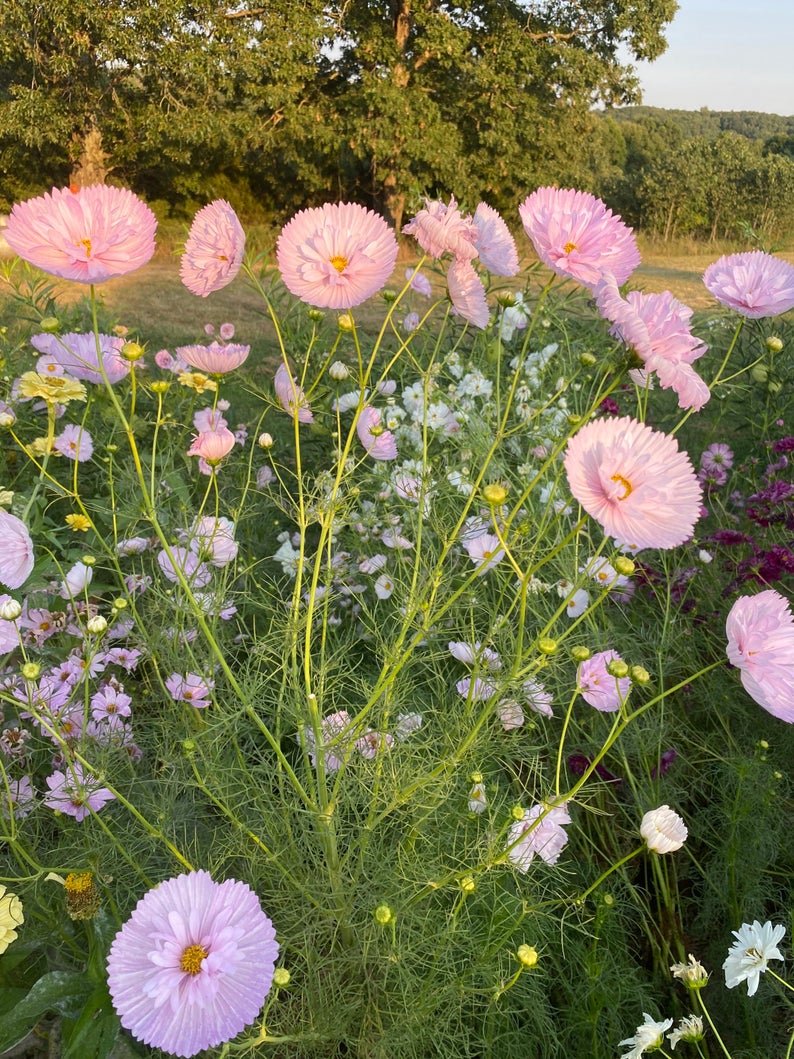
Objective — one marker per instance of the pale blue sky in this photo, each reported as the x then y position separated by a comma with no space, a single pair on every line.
725,56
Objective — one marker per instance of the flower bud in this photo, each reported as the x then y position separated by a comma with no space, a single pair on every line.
120,603
587,360
383,914
281,977
265,441
617,668
7,419
580,654
89,560
547,646
388,295
315,315
10,610
132,351
624,565
639,675
160,386
517,812
339,371
96,625
774,344
527,955
346,322
50,325
31,670
468,885
506,299
759,373
494,494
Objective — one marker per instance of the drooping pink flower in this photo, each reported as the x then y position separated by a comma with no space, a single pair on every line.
87,234
547,839
379,443
754,284
213,250
16,551
291,396
496,247
76,793
212,445
213,539
76,580
77,354
657,328
337,255
75,443
760,632
215,359
441,229
634,481
193,964
467,293
598,687
181,560
577,236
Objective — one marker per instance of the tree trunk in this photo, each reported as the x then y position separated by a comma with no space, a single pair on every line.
91,166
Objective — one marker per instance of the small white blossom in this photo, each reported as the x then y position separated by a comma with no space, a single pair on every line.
648,1038
750,954
688,1029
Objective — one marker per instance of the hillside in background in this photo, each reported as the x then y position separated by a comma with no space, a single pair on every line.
751,124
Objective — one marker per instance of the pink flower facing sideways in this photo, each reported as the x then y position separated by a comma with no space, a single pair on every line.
86,234
76,794
634,481
754,284
440,229
532,835
214,249
598,687
760,631
217,358
291,397
337,255
656,327
212,445
16,551
379,443
193,964
577,236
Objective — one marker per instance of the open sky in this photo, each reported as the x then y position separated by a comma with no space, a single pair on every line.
725,56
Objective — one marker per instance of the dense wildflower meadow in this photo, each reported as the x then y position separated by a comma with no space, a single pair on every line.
419,682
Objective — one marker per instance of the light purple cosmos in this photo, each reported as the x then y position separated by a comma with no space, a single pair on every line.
532,836
76,794
598,687
74,443
379,443
77,354
190,688
291,397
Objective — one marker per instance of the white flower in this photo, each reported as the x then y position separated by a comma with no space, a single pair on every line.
578,603
688,1029
77,579
477,799
663,830
693,974
384,586
750,954
649,1037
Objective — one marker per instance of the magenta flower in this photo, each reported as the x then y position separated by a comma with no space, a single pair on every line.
212,445
77,355
291,396
76,794
337,255
441,229
379,443
656,327
467,293
577,236
598,687
215,359
213,250
635,482
760,632
74,443
193,964
755,284
496,247
717,457
84,234
16,551
547,839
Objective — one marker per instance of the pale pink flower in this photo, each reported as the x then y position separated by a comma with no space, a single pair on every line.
334,748
208,419
74,443
538,699
657,328
475,689
663,830
754,284
598,687
760,631
191,688
419,282
634,481
215,359
467,293
213,250
76,581
337,255
577,236
212,445
213,539
485,550
291,396
475,653
717,457
83,234
496,247
441,229
16,551
510,714
76,793
547,839
182,561
379,443
77,354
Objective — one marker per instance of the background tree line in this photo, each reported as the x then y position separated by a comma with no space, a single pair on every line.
286,104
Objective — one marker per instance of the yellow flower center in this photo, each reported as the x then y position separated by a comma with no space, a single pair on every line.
76,881
569,248
339,262
192,958
86,244
625,483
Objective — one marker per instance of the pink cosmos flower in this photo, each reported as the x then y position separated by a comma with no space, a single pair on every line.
598,687
212,445
760,632
755,284
84,234
548,838
193,964
77,354
634,481
467,293
577,236
333,748
538,699
419,282
213,250
16,551
213,539
291,396
475,689
215,359
379,443
441,229
190,688
74,443
656,327
77,579
337,255
195,572
485,551
496,247
75,793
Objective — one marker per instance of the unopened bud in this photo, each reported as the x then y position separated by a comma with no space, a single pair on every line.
388,295
346,322
96,625
31,670
639,675
624,565
89,560
580,654
120,603
547,646
383,914
468,885
617,668
265,441
315,315
339,371
587,360
774,344
517,812
506,299
759,373
160,386
132,351
50,325
494,494
10,610
526,955
281,977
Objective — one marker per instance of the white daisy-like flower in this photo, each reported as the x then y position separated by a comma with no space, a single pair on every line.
750,954
688,1029
648,1038
693,974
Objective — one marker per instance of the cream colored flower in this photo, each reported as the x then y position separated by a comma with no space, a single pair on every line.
54,389
11,917
693,974
197,381
663,830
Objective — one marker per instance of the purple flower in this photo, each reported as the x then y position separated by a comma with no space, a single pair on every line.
16,551
717,456
75,794
75,443
77,354
190,688
193,964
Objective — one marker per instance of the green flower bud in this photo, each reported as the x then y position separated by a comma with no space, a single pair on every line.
639,675
580,654
587,360
383,914
617,668
527,955
774,344
50,325
281,977
31,670
624,565
547,646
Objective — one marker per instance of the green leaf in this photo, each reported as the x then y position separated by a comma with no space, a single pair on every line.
64,992
95,1031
